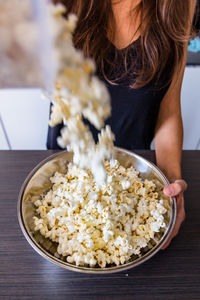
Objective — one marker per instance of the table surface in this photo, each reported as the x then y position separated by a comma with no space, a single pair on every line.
171,274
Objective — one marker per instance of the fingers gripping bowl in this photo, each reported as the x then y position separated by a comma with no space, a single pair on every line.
38,182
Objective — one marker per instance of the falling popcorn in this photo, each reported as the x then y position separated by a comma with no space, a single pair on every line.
79,93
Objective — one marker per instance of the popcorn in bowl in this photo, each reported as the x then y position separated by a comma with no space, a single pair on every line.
101,225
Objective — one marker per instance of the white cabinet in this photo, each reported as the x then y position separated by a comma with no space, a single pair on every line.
25,115
4,145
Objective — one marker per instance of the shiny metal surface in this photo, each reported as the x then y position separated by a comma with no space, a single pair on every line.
38,181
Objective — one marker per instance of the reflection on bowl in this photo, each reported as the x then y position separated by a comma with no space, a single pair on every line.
38,182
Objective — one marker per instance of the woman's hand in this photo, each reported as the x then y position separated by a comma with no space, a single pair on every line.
176,189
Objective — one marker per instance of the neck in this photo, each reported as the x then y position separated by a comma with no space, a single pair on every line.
126,22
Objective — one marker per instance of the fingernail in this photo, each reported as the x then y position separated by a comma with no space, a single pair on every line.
169,190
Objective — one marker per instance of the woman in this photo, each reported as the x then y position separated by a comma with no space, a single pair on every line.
140,48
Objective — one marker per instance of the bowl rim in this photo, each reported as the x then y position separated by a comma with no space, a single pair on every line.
90,270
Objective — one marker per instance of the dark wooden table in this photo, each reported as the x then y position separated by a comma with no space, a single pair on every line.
24,274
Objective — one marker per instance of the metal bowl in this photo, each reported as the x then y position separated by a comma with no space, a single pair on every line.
38,182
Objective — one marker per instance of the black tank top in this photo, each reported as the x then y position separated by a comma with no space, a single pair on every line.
134,111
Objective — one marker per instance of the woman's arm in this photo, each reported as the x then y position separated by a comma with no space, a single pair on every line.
169,130
168,146
169,139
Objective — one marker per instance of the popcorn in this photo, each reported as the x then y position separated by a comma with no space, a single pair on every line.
95,227
78,93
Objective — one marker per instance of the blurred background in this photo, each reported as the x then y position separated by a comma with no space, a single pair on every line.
24,112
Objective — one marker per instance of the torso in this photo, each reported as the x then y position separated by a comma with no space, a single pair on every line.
134,111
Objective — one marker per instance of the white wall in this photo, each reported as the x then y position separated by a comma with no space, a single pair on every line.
190,100
25,115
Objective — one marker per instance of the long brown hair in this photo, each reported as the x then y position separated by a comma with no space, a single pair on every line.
163,36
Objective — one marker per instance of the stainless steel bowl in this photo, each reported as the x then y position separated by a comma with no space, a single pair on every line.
38,182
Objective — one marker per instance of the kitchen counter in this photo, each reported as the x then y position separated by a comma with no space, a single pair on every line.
171,274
